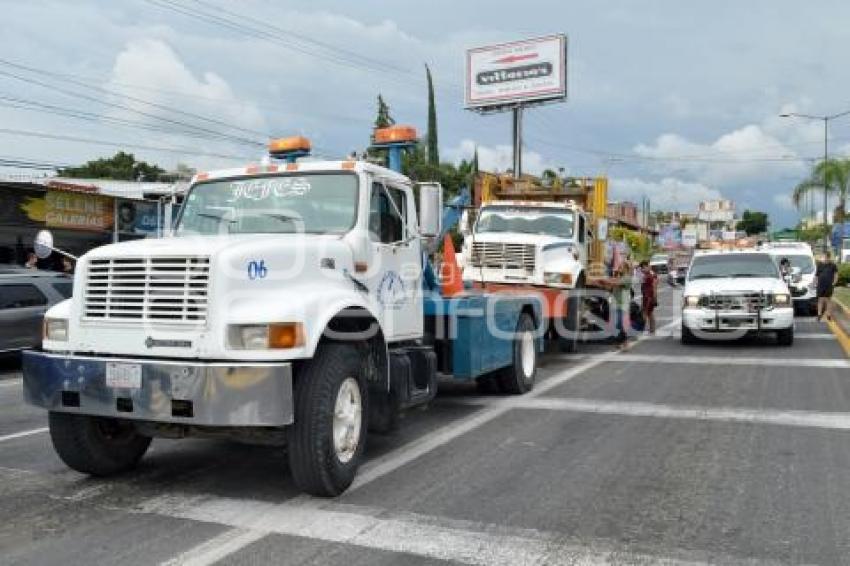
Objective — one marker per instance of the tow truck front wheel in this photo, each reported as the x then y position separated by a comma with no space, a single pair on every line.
95,445
327,439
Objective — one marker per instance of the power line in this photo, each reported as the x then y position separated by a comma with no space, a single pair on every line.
110,143
122,106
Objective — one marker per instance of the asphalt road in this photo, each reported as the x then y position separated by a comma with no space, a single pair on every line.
664,453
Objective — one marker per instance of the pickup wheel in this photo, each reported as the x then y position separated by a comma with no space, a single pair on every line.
96,445
518,377
327,439
785,337
688,336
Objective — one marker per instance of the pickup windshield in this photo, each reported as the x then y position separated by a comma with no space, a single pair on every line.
804,262
526,220
733,265
317,203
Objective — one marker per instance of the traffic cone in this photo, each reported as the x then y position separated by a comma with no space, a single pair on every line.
450,272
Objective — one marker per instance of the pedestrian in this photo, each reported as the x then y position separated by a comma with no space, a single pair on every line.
649,295
827,277
621,287
67,266
32,261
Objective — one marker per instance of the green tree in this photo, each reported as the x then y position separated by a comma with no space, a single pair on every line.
548,176
835,174
121,166
433,146
753,222
383,119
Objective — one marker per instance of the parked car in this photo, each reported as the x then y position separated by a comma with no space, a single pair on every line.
25,295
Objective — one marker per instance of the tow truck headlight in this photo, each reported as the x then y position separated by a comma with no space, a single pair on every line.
266,336
56,329
782,299
558,278
692,300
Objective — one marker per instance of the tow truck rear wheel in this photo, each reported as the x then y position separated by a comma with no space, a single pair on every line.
96,445
518,377
327,439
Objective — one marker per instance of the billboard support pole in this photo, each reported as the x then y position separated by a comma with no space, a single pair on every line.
517,136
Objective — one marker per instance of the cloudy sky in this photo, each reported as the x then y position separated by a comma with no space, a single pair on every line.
676,101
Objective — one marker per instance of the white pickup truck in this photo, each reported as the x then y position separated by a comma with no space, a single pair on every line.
290,308
729,294
542,244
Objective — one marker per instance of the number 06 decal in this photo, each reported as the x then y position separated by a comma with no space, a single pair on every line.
257,269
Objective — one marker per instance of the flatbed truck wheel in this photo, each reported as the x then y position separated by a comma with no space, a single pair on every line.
96,445
518,377
572,322
327,439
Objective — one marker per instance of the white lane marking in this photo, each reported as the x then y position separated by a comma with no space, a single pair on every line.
399,457
439,538
810,419
22,434
814,336
14,382
391,461
217,547
727,360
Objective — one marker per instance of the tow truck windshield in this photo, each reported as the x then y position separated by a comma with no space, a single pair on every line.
733,265
804,262
526,220
316,203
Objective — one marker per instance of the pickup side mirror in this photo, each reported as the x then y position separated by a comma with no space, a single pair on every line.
430,209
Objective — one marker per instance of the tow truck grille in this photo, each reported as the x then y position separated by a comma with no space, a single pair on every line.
503,256
740,302
170,290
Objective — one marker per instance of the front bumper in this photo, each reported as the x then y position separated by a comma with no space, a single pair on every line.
708,320
185,392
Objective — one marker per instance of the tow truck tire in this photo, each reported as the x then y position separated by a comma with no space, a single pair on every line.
96,445
785,337
334,376
518,378
688,336
572,322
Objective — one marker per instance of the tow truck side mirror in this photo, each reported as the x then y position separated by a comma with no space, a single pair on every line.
430,209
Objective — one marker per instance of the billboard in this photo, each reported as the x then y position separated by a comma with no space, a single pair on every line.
689,237
716,211
138,217
77,211
533,70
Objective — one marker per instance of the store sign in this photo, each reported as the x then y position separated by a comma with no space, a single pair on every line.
533,70
77,211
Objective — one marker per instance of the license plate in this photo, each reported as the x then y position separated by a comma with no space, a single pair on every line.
125,376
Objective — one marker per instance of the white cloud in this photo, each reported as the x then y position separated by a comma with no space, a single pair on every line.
742,155
668,193
153,63
498,158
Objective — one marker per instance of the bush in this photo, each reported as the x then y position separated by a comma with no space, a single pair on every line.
844,274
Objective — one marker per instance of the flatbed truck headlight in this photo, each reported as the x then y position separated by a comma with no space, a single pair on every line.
56,329
782,299
692,300
265,336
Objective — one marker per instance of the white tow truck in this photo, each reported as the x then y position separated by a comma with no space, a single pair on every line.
729,294
291,306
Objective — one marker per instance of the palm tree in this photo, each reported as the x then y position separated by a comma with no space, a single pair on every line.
835,174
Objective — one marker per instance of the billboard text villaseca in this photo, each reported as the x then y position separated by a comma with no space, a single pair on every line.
532,70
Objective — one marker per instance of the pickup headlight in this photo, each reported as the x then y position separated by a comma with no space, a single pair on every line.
265,336
782,299
56,329
692,300
558,278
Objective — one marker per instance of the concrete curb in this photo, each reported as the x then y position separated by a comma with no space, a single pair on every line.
840,324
